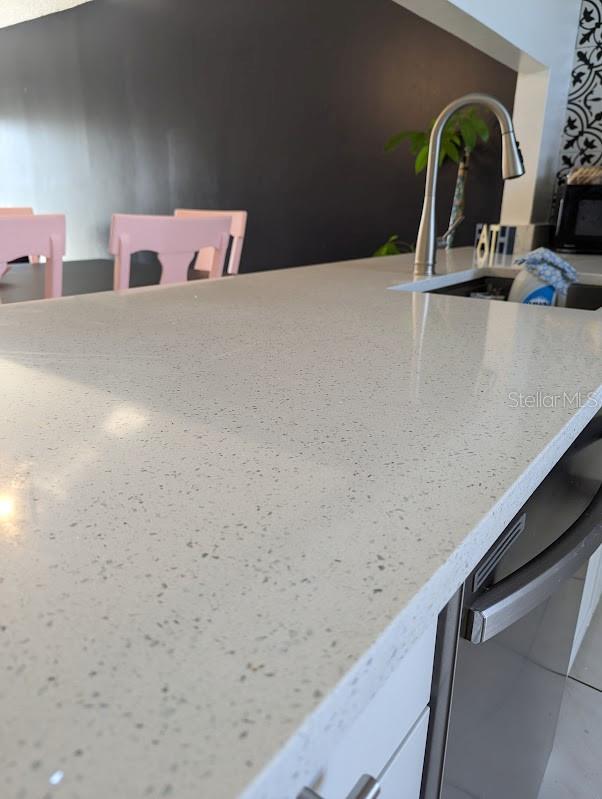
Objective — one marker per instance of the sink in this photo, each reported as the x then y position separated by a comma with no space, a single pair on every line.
585,296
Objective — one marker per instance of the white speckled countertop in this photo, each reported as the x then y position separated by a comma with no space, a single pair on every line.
217,499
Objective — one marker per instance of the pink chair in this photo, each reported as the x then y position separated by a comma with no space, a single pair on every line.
42,234
205,261
174,240
33,259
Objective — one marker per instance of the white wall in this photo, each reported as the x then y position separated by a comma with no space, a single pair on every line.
14,11
537,38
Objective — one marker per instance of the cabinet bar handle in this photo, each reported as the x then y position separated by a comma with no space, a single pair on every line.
366,788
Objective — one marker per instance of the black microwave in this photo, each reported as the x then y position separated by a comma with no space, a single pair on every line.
579,226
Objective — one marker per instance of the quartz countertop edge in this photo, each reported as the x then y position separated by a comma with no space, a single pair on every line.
308,749
223,545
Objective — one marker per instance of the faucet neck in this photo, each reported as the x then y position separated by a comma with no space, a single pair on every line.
426,243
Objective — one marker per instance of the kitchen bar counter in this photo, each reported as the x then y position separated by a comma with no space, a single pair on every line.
228,509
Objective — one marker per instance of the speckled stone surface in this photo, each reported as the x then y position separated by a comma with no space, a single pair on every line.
14,11
228,509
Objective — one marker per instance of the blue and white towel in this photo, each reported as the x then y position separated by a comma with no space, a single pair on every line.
549,268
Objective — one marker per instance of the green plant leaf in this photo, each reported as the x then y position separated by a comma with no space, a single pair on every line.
469,133
452,151
388,248
481,128
418,138
394,246
417,141
421,159
450,134
397,139
454,122
460,135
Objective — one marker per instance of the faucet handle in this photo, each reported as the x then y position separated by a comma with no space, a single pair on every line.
365,788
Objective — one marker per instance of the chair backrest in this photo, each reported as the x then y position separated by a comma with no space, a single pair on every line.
238,227
34,259
174,240
16,211
40,234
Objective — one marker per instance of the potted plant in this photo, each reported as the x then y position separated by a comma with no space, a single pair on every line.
460,137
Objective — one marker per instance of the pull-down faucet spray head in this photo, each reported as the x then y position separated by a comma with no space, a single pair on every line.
512,159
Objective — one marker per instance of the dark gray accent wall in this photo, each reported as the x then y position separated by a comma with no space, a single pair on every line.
281,107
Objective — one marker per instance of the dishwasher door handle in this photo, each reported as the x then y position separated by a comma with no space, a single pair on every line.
525,589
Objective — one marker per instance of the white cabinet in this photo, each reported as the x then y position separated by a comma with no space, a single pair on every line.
403,774
389,737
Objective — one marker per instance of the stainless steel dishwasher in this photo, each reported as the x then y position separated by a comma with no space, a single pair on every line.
505,641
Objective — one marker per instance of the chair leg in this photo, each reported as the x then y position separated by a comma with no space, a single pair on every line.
121,272
53,277
235,253
219,259
53,270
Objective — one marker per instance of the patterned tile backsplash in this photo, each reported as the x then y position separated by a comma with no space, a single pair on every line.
582,137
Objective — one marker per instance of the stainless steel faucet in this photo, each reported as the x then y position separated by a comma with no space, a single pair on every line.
512,167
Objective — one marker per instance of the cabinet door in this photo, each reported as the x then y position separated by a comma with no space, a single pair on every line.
377,733
403,775
401,778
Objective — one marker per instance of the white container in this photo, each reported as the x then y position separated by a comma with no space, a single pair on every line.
530,290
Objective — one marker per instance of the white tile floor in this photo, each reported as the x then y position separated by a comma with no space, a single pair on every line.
575,768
